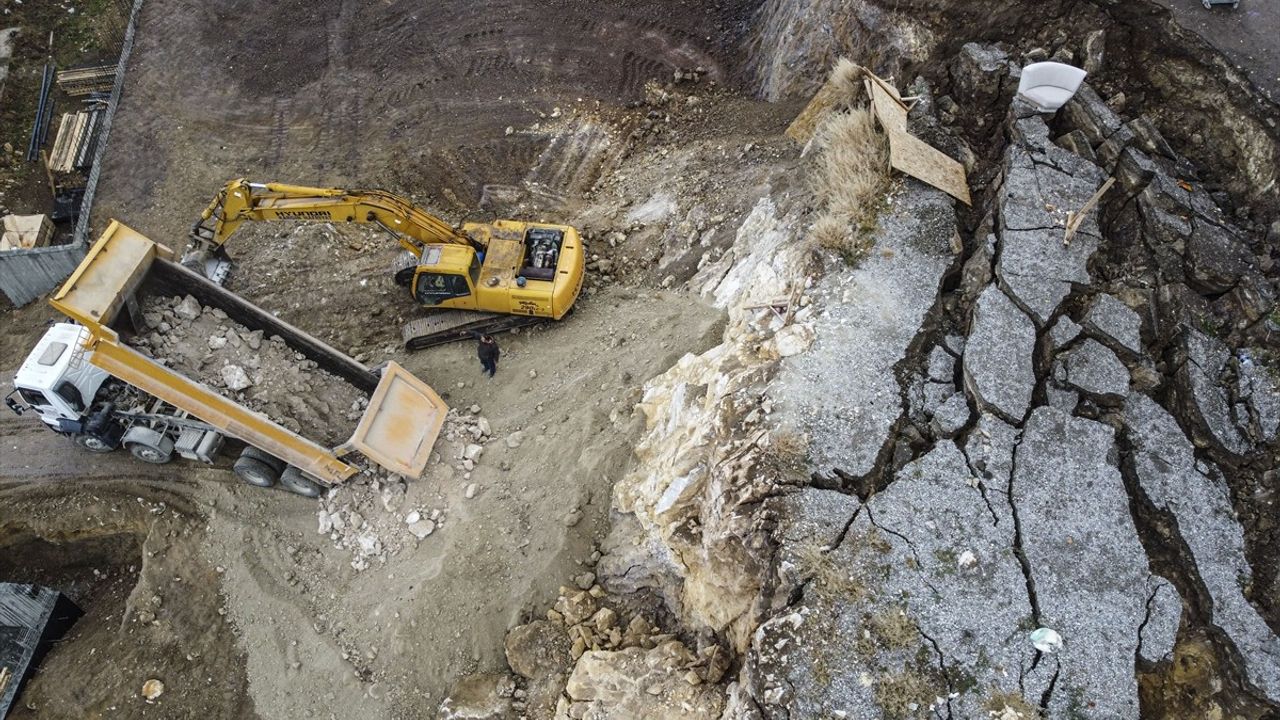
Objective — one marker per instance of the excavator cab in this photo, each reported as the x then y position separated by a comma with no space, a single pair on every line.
447,276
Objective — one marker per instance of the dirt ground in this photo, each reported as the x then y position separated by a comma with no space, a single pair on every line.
258,614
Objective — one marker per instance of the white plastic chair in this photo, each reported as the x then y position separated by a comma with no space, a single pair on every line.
1049,85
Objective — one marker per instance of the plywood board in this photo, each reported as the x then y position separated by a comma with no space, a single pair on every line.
910,154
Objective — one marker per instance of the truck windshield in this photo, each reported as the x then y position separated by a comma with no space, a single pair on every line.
435,288
33,397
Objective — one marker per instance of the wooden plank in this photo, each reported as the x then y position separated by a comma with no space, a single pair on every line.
1076,219
910,154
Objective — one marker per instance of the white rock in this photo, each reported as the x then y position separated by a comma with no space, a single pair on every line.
422,528
483,424
472,489
217,343
412,517
235,378
514,439
473,452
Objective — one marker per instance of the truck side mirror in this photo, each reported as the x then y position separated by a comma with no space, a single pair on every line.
14,406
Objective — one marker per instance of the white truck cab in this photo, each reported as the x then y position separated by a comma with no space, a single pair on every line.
56,380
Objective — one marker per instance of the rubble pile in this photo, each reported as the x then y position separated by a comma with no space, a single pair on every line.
371,515
262,373
606,663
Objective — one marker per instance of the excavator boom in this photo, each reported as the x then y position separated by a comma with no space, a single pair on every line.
241,200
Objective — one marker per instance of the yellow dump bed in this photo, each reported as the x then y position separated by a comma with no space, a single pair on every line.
397,431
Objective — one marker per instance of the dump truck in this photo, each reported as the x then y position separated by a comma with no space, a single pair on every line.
84,381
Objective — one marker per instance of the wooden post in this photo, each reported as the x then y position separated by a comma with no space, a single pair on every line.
1076,219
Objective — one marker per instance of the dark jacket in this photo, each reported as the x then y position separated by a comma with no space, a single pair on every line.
488,351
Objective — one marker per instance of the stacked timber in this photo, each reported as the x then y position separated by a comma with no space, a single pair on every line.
76,140
84,81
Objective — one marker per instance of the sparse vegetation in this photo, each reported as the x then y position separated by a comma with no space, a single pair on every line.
893,629
1010,706
907,693
787,455
852,175
814,562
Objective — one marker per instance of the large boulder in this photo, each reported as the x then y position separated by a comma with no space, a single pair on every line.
537,649
638,684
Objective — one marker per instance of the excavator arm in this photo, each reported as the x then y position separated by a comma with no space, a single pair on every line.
241,200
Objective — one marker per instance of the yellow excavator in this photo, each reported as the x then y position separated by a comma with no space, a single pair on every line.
480,278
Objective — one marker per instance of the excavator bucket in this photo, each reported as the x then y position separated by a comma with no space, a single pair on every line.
400,425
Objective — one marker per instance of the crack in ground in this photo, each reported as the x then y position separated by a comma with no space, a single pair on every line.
942,667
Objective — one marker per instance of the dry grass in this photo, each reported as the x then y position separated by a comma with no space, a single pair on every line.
907,694
852,176
1010,706
814,561
846,81
787,455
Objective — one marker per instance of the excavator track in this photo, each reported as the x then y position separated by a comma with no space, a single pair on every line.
449,326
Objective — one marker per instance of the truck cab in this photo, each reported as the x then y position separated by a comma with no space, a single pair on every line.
56,381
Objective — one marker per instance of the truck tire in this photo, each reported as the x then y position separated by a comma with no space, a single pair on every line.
148,445
255,472
93,443
297,482
263,457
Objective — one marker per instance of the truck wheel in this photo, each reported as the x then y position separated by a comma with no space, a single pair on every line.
275,463
254,472
148,445
93,443
296,481
152,454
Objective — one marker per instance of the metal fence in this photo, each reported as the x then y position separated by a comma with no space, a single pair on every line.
27,274
91,185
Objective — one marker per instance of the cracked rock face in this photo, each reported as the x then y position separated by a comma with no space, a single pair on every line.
1200,504
923,597
997,358
1116,323
848,401
1042,183
1087,567
1092,368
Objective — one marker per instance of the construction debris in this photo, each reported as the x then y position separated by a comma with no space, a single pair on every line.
23,232
263,374
908,153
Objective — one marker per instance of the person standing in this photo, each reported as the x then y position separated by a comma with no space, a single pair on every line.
488,352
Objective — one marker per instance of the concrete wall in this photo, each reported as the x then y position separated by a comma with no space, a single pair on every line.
27,274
